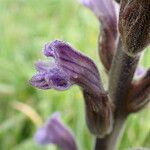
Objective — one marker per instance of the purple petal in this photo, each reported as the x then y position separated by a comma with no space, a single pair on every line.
55,132
42,66
41,136
51,78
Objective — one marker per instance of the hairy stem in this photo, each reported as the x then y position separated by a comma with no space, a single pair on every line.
110,141
120,78
121,75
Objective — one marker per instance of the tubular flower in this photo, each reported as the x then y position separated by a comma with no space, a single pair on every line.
107,11
54,132
71,67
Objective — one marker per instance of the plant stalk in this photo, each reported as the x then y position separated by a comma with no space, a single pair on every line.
110,141
120,78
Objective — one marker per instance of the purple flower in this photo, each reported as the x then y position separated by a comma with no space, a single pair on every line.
69,67
54,132
107,11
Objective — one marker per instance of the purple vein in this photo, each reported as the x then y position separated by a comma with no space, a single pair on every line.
94,83
67,60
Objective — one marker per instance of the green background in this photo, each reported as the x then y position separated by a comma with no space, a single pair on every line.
25,26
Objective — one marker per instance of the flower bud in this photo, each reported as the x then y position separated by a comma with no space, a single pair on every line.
139,93
134,25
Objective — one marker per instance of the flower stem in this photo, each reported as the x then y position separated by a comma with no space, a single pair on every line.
110,141
120,78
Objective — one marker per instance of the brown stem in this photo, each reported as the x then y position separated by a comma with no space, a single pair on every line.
121,75
110,141
120,78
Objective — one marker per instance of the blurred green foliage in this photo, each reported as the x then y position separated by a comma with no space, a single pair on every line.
25,25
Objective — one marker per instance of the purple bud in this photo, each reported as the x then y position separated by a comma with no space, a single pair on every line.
54,132
140,72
